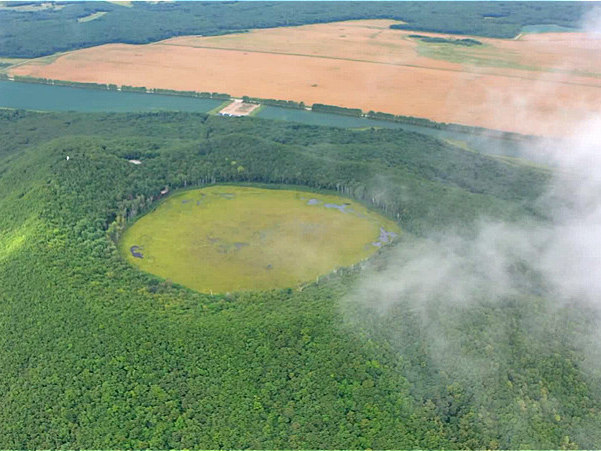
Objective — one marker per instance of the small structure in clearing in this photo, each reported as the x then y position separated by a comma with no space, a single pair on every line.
135,161
239,108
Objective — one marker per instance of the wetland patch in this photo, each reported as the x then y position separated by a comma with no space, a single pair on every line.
231,238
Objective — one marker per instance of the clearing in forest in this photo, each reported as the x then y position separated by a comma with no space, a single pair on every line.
231,238
238,108
539,84
91,17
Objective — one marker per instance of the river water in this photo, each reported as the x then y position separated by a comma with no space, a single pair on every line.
41,97
35,96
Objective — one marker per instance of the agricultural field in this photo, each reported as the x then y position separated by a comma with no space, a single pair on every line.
507,84
231,238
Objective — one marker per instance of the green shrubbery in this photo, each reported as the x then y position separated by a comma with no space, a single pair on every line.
321,108
273,102
438,40
133,88
72,84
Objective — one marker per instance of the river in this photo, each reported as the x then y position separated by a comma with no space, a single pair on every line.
41,97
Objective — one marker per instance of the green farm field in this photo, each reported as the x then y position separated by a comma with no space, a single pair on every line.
232,238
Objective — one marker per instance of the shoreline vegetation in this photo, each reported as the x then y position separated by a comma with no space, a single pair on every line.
316,107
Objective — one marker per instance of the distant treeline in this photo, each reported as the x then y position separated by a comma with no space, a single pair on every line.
29,34
321,108
438,40
114,87
422,122
411,120
134,88
73,84
200,95
274,102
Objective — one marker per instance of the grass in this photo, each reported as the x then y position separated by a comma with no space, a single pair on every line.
236,238
220,107
483,55
43,59
6,63
12,240
256,110
92,16
486,55
548,28
126,4
11,61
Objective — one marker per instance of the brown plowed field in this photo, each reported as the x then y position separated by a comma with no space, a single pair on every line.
538,84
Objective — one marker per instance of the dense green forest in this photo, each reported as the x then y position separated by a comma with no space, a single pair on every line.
32,33
96,354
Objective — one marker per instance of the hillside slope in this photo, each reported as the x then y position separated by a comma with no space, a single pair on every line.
99,355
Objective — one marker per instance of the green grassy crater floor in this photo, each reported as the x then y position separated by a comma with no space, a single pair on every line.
232,238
